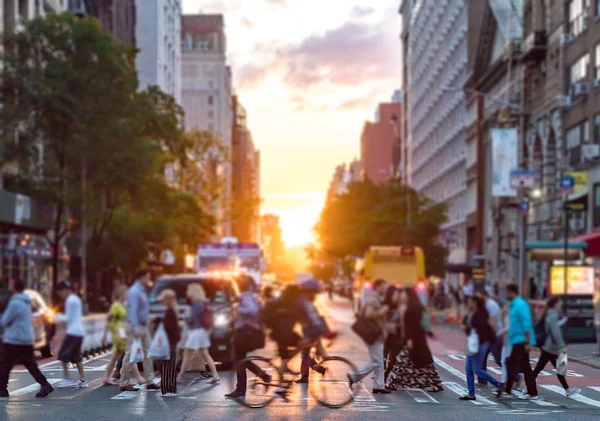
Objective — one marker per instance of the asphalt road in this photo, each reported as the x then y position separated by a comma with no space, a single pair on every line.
198,400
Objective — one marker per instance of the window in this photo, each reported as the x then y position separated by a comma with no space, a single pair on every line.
597,128
576,136
596,211
210,100
578,70
578,16
597,7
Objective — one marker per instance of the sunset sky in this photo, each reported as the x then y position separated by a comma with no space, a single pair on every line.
309,73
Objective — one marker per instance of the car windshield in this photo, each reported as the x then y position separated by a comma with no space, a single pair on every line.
215,262
218,291
252,263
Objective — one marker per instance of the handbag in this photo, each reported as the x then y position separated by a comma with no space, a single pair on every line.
561,364
368,330
473,342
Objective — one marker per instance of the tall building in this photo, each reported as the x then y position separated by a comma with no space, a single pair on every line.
116,16
158,29
14,12
379,142
207,92
245,188
434,38
342,176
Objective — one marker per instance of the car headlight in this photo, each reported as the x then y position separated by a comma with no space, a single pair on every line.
221,320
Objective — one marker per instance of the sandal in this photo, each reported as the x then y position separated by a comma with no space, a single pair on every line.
214,381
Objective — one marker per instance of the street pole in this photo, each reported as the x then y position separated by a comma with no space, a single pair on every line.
480,169
83,249
566,244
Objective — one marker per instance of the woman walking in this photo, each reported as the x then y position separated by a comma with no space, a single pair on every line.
114,324
198,338
168,368
554,344
393,344
477,321
413,367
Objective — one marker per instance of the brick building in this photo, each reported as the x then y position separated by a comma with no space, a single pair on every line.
378,142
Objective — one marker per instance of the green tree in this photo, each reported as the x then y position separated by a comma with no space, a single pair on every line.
375,214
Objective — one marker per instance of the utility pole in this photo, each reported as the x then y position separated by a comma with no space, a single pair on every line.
83,247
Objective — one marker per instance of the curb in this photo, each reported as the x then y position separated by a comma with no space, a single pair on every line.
585,362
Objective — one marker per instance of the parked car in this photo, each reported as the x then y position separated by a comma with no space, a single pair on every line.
221,291
43,326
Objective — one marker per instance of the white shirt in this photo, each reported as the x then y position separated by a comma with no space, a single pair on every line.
74,316
494,310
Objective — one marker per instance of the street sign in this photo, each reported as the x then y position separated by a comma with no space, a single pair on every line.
525,207
522,179
567,183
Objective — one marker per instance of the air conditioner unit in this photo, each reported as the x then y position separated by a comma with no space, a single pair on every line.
581,88
563,101
590,152
597,83
566,38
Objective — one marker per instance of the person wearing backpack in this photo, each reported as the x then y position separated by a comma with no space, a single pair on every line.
249,336
199,325
550,339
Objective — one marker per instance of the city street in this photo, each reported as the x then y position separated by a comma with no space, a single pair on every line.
198,400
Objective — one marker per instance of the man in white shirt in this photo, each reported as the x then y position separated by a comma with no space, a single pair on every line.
70,350
495,320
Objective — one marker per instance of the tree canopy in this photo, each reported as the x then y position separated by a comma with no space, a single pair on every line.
73,112
371,214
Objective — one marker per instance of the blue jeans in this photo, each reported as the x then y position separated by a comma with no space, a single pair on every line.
474,364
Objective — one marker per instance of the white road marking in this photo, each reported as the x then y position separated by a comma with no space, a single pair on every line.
421,396
540,402
578,398
92,385
126,395
461,391
449,368
31,388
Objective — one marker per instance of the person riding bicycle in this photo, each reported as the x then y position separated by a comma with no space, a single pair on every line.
296,305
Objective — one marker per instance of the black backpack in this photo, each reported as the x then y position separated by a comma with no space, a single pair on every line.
540,331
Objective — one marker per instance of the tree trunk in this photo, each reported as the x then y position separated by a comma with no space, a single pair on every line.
56,251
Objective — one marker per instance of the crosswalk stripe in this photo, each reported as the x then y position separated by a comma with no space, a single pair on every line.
540,402
449,368
93,385
31,388
461,391
421,396
578,398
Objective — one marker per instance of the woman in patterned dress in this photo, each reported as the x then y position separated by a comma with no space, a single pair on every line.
414,367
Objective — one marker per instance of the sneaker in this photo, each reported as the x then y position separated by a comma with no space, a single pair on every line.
170,395
468,398
572,391
44,391
302,380
527,397
65,383
82,384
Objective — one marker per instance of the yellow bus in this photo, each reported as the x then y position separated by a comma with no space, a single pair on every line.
401,266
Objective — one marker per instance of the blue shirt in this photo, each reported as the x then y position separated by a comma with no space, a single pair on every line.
137,306
195,320
520,322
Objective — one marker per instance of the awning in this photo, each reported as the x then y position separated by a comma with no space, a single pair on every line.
554,250
457,261
592,240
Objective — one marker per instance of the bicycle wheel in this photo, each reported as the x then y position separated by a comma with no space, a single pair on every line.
263,378
329,383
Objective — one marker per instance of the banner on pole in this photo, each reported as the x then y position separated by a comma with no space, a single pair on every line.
504,161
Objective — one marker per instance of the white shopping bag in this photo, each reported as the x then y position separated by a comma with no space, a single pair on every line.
159,347
473,343
561,364
137,352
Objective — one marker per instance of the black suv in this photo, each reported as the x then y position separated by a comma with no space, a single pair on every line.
222,293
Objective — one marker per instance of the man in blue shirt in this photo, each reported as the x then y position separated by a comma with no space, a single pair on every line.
137,328
521,338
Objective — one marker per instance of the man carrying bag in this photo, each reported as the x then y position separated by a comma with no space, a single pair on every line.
370,326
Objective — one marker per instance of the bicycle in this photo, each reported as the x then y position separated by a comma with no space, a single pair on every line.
329,384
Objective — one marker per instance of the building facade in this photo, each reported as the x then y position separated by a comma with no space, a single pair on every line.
116,16
157,33
245,188
379,143
435,46
207,93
